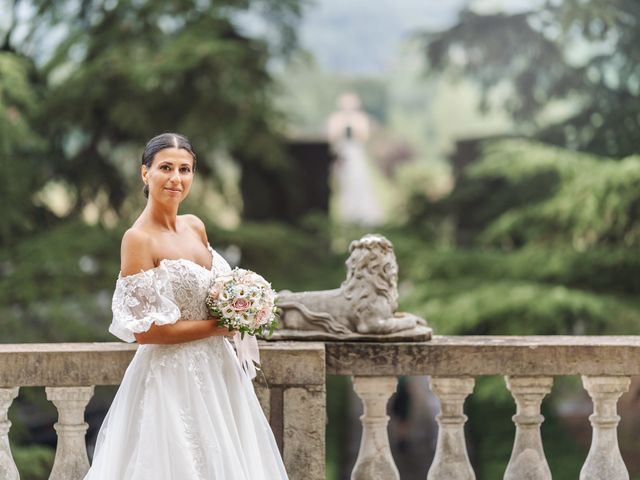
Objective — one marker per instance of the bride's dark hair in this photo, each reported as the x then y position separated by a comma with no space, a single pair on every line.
160,142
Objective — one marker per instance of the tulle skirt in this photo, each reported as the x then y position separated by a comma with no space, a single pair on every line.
186,412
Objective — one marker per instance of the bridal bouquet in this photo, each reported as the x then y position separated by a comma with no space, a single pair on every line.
243,301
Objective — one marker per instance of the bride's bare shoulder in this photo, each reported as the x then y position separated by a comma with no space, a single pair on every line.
196,225
136,252
136,237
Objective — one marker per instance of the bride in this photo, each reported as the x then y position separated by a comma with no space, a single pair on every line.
185,408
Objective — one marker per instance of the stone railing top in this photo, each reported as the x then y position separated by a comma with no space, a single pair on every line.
298,363
71,364
485,355
535,341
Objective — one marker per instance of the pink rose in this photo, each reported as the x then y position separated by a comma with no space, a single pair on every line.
240,304
260,316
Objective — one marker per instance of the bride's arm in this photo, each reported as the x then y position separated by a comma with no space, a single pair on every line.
181,331
135,254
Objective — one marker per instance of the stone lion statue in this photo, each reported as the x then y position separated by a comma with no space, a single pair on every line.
363,307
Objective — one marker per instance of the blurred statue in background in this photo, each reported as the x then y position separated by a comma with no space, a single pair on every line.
349,122
363,308
348,131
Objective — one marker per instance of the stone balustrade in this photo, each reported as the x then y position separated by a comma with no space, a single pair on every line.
292,393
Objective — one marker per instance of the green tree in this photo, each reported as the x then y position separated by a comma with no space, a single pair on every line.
544,242
21,147
115,73
580,53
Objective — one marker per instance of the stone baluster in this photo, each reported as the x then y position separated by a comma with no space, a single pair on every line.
71,461
374,460
604,459
527,458
451,460
8,470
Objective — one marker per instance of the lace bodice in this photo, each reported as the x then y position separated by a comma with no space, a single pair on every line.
175,289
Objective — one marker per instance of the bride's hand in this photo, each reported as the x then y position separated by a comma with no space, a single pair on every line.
223,331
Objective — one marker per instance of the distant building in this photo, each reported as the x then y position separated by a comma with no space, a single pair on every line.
291,193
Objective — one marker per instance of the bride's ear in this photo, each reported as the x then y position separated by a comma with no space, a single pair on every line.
144,172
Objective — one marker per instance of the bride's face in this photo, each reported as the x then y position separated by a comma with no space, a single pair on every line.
170,176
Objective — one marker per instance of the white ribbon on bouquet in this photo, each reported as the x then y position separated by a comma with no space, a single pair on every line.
247,352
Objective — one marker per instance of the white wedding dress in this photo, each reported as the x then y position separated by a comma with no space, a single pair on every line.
185,411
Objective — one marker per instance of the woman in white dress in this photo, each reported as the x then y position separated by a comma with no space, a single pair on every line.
185,409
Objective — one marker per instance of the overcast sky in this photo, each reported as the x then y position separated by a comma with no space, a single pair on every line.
363,36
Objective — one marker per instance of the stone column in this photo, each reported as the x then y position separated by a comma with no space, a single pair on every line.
451,461
8,470
71,461
604,459
374,460
292,393
304,420
527,458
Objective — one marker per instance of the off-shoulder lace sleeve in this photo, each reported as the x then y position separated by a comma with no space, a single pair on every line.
140,300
